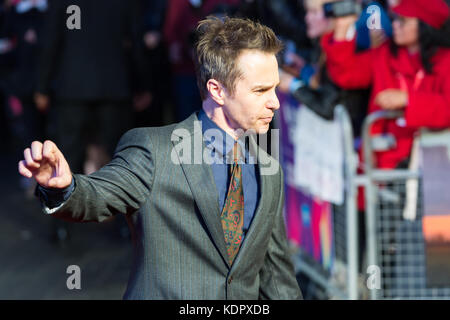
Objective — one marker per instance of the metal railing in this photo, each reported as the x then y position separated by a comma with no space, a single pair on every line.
394,244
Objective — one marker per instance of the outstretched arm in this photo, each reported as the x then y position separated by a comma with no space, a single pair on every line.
348,69
119,187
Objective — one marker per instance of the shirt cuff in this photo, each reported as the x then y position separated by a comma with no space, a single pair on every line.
47,210
53,199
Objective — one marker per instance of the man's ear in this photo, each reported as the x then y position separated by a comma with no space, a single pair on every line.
216,91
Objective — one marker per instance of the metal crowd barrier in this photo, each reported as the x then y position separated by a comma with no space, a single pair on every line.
395,248
395,245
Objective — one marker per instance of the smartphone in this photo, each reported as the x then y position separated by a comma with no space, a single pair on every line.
341,8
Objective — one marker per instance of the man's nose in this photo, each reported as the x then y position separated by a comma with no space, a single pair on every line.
273,103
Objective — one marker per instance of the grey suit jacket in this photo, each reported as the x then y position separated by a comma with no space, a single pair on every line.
173,212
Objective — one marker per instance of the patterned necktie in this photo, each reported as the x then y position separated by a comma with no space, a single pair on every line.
233,211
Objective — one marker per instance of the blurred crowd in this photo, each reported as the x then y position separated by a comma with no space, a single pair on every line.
131,63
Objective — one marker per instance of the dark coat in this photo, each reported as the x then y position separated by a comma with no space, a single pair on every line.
96,61
21,81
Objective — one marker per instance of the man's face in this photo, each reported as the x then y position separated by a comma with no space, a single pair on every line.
254,100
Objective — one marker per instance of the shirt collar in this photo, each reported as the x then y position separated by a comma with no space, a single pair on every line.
210,129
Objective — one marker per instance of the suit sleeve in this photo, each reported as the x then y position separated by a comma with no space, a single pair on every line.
277,276
121,186
348,69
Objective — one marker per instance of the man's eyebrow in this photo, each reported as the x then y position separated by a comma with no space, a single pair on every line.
264,86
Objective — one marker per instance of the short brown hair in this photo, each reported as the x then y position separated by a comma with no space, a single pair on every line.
220,42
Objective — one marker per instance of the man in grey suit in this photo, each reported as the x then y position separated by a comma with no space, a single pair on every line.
202,227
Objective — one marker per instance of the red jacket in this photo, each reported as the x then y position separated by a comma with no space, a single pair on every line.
428,97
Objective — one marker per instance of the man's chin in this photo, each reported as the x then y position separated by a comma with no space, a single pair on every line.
263,129
258,129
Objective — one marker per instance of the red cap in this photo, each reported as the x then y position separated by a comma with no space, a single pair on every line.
432,12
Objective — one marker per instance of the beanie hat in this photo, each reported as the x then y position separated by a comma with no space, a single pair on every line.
432,12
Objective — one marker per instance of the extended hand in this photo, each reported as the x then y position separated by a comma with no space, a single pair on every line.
392,99
46,164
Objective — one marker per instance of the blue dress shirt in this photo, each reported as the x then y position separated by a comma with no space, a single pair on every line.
220,170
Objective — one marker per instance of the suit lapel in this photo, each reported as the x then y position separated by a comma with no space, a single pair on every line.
201,182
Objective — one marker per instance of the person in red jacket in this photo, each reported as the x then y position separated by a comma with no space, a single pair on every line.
411,73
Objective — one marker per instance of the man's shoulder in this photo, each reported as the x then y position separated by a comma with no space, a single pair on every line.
144,133
145,137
